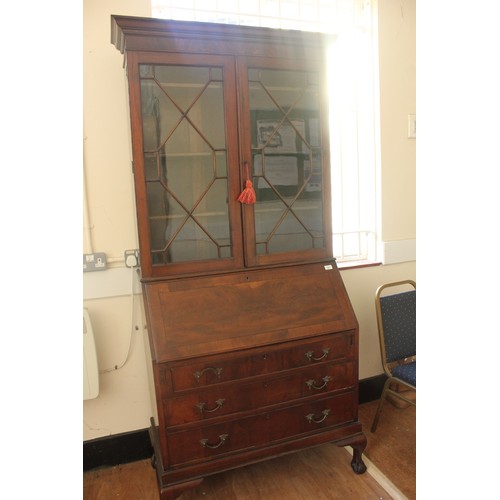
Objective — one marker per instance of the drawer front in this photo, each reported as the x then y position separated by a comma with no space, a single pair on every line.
225,399
206,442
217,369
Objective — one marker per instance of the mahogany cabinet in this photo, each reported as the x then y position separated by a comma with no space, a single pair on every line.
253,338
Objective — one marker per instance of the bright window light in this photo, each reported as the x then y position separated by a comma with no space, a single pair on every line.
352,93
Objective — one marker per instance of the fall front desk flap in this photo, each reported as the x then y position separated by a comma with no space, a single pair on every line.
196,316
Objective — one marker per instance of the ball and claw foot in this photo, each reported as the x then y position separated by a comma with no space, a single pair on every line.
357,464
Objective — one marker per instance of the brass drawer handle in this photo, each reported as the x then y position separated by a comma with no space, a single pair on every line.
310,418
310,355
203,406
312,383
222,439
198,375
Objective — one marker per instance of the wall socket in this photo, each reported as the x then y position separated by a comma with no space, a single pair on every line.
94,262
131,258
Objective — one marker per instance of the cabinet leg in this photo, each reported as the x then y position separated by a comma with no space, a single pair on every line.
357,464
173,492
358,445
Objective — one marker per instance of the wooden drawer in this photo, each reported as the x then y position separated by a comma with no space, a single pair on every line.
205,442
231,398
217,369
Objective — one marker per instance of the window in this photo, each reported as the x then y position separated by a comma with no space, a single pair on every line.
353,105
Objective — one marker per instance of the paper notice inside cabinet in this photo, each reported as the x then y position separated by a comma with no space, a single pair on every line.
283,138
278,171
314,132
314,178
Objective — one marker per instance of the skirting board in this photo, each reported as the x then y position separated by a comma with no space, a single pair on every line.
132,446
381,478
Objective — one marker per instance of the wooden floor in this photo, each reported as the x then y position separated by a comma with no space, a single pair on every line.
392,448
321,473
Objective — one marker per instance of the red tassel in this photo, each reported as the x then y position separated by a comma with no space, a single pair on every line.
248,194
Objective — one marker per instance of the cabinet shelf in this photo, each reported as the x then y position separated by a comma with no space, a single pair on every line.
189,154
264,207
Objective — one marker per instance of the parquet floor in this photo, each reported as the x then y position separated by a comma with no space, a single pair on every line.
321,473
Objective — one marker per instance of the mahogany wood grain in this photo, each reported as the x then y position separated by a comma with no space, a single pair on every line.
265,341
213,314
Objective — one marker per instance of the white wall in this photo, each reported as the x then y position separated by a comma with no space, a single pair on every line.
124,402
397,73
397,69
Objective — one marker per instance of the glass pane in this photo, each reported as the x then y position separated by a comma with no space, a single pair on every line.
225,252
189,178
192,243
146,71
287,162
212,212
212,98
185,161
267,218
152,167
261,248
159,115
290,235
220,165
158,207
182,85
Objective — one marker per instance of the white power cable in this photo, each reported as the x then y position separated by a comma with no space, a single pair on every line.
129,350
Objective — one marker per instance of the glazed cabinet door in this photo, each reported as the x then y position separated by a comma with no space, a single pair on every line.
206,117
285,141
186,162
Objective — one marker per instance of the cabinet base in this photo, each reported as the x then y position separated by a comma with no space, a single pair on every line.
169,490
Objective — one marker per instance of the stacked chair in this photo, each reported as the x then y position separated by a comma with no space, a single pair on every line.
395,305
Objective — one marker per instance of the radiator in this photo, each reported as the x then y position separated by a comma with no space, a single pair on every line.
90,367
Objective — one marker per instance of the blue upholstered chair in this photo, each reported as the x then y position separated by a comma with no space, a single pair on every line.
395,305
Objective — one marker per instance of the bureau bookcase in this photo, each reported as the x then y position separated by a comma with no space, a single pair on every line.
254,342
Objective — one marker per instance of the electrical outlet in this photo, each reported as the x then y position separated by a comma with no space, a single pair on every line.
131,258
94,262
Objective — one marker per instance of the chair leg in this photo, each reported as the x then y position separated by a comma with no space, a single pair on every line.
380,403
